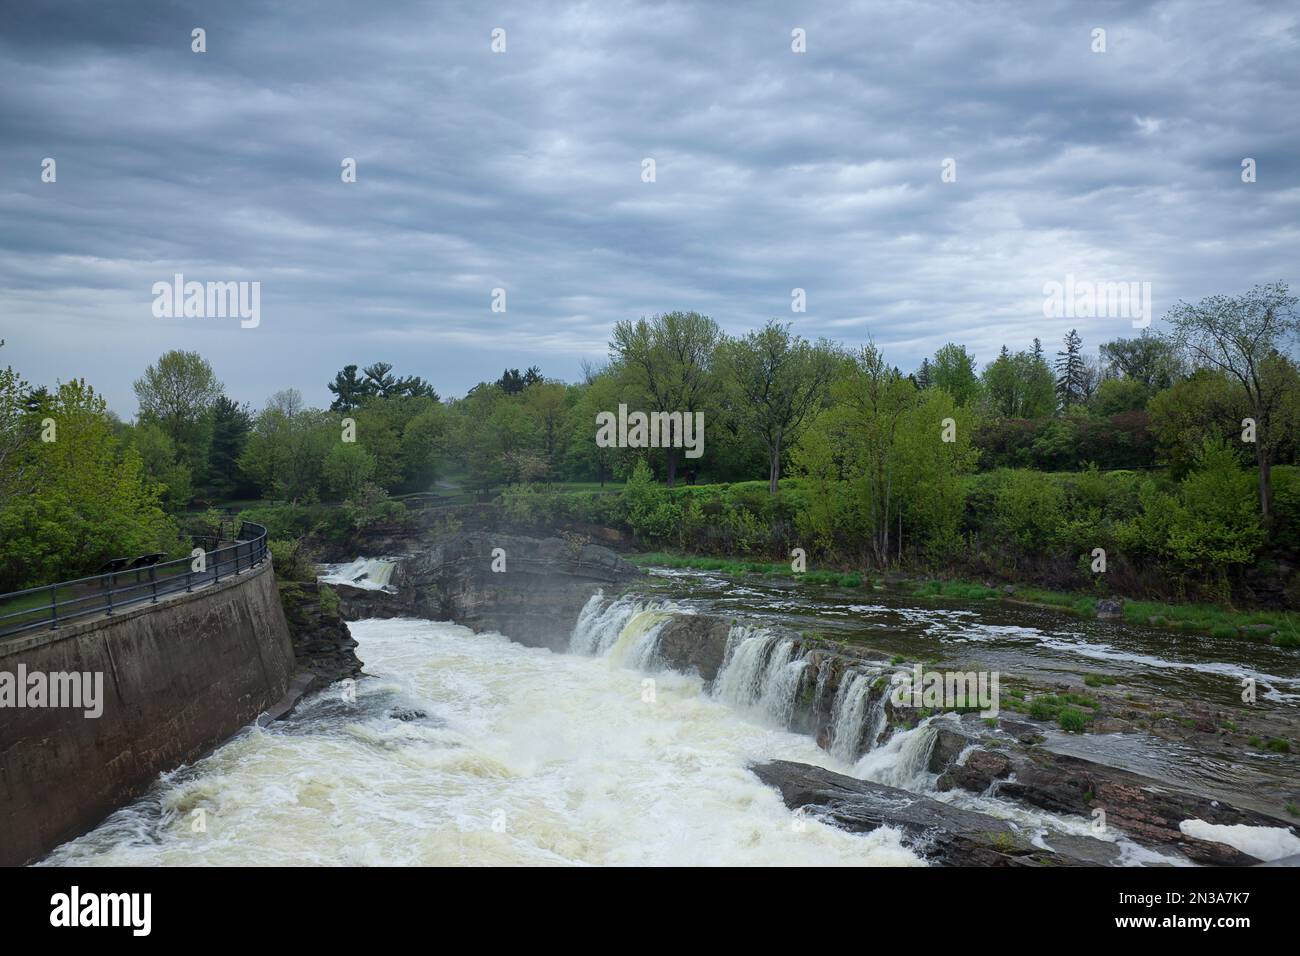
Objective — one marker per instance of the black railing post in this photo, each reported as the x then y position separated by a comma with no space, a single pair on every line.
112,583
54,609
153,583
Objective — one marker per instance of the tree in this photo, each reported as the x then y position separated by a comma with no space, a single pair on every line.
954,372
350,390
1242,337
1205,405
925,374
347,468
376,381
286,450
14,398
775,383
1149,359
82,498
511,382
1019,385
602,393
547,405
885,438
231,424
158,458
1070,372
668,360
178,394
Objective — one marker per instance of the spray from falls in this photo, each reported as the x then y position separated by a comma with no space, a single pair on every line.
764,673
373,574
625,631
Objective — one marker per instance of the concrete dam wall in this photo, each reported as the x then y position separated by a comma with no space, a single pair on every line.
178,678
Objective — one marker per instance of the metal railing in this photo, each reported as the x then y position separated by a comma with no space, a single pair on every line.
56,604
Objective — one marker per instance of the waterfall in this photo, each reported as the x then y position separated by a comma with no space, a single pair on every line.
639,639
762,673
904,759
856,720
626,631
373,574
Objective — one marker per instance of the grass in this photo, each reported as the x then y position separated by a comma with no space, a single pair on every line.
1072,720
844,579
1279,627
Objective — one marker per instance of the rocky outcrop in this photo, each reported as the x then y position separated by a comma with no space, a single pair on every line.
528,588
322,644
695,642
1147,811
942,834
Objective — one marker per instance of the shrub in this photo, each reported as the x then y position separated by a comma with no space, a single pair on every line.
291,560
1072,720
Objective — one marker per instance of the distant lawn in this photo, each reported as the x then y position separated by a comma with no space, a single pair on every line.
1278,627
850,579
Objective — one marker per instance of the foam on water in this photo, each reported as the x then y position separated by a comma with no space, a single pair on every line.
515,755
373,574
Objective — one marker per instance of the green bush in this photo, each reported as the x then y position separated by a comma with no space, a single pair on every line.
1071,720
291,560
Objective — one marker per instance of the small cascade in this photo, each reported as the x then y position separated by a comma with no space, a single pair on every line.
856,720
372,574
637,641
626,630
763,672
903,761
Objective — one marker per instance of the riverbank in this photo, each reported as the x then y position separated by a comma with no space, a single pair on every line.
1281,628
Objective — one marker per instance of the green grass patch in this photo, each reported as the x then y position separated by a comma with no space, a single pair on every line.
663,559
1072,720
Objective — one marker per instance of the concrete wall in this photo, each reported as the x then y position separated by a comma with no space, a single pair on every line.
180,677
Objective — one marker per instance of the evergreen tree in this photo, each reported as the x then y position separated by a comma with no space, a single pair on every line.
350,390
1070,372
925,374
231,423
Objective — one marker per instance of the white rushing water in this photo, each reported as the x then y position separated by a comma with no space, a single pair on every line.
514,755
373,574
856,718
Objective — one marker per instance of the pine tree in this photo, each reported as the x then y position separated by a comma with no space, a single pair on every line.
924,375
1070,372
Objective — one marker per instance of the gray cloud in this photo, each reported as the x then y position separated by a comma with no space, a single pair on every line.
522,170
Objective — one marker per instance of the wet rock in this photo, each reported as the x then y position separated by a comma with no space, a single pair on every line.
949,743
1110,609
535,599
945,835
322,644
1147,810
697,643
977,773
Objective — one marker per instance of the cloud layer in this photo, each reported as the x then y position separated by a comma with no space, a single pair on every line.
523,170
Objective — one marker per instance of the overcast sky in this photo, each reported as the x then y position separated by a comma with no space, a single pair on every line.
522,170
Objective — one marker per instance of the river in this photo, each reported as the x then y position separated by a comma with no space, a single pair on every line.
471,749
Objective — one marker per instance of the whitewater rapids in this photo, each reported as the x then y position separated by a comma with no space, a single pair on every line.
507,755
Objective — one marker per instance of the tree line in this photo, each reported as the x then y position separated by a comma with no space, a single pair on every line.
1221,374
